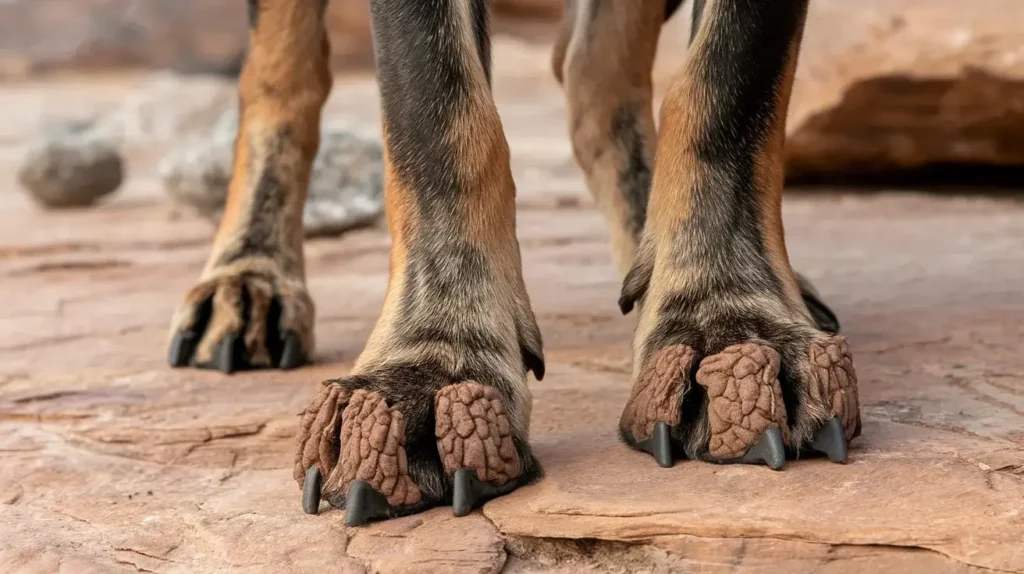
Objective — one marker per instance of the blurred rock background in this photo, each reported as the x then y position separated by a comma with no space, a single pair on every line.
191,36
898,91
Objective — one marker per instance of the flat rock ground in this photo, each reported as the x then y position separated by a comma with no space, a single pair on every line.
110,461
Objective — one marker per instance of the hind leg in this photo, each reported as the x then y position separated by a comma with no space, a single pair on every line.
437,409
250,307
603,59
729,364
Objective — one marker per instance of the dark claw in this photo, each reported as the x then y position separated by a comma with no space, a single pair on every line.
659,445
470,490
768,449
533,363
822,315
831,441
311,489
224,356
291,356
363,503
625,305
183,345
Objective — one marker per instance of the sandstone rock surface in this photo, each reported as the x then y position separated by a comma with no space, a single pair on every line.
110,461
888,85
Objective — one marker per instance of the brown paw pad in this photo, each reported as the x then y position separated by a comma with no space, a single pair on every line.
836,382
744,398
473,432
373,450
319,432
658,392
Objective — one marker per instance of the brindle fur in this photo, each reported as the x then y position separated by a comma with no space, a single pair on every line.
696,227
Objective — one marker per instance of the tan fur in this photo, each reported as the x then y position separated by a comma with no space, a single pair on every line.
676,174
285,81
605,64
399,208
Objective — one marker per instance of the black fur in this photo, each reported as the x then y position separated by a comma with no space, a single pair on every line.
696,17
254,13
482,29
671,6
424,86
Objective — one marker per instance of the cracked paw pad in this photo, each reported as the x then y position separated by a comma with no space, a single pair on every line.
744,398
373,450
658,392
319,431
836,382
474,432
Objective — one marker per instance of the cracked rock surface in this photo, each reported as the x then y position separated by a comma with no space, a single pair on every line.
112,462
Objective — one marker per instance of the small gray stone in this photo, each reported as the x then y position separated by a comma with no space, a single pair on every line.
197,176
347,186
71,167
346,189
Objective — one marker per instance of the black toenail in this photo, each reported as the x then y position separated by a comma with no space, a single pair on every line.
468,490
311,489
364,503
769,449
830,440
183,345
291,356
659,445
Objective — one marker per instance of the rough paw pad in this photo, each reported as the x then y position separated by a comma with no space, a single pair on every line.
744,399
657,395
830,440
474,432
319,433
311,489
363,503
836,382
468,491
373,451
659,445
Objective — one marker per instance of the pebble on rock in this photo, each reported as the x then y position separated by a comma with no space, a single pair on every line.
71,167
346,189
